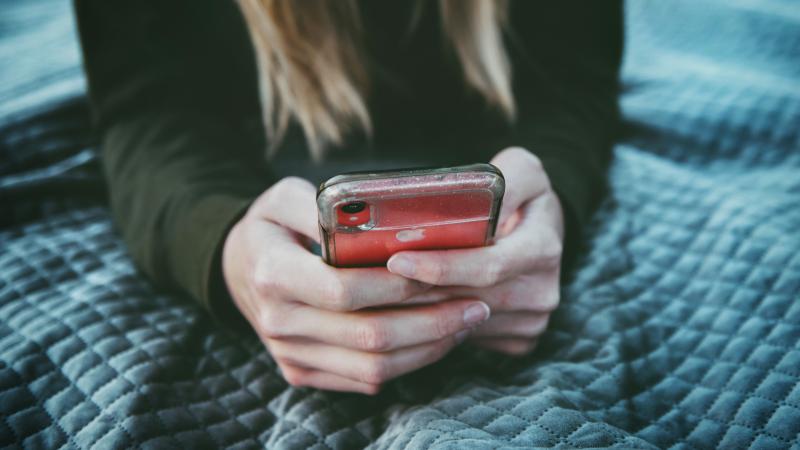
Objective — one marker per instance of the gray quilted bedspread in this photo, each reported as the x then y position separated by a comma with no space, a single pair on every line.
680,328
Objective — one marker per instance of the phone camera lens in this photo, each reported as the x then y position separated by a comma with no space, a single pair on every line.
353,207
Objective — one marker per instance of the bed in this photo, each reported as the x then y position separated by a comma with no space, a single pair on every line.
680,327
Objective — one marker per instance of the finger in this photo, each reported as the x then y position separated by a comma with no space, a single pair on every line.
512,326
302,377
304,277
514,347
525,179
538,292
381,330
535,245
292,203
475,267
364,367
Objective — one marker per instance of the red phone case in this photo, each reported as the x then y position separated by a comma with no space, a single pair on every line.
366,217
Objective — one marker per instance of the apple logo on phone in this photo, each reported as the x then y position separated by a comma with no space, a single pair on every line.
410,235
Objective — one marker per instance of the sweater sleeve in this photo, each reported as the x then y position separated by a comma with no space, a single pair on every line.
170,83
566,58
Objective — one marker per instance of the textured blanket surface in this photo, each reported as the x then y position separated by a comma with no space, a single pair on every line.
680,328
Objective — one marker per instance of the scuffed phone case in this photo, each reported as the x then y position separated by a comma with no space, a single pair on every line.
366,217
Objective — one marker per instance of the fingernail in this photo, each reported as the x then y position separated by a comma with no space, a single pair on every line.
401,266
476,313
461,335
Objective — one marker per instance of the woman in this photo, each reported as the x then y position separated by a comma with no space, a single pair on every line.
209,110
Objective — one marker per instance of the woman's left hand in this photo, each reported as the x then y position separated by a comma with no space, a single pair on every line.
517,276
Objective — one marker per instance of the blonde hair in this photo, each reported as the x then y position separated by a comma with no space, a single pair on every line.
311,63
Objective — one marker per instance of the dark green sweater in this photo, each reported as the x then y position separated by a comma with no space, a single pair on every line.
173,87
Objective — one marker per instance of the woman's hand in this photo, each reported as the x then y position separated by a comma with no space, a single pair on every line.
518,276
313,317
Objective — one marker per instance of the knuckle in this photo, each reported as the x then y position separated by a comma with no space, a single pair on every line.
300,182
550,300
491,274
444,324
375,370
293,181
372,336
276,194
287,184
337,296
265,283
277,191
524,155
507,299
272,324
438,273
549,249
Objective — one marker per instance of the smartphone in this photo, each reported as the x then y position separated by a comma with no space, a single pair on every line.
366,217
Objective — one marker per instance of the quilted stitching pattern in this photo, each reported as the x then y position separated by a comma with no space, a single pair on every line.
679,330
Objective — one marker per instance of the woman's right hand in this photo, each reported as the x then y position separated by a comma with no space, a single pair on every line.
331,328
